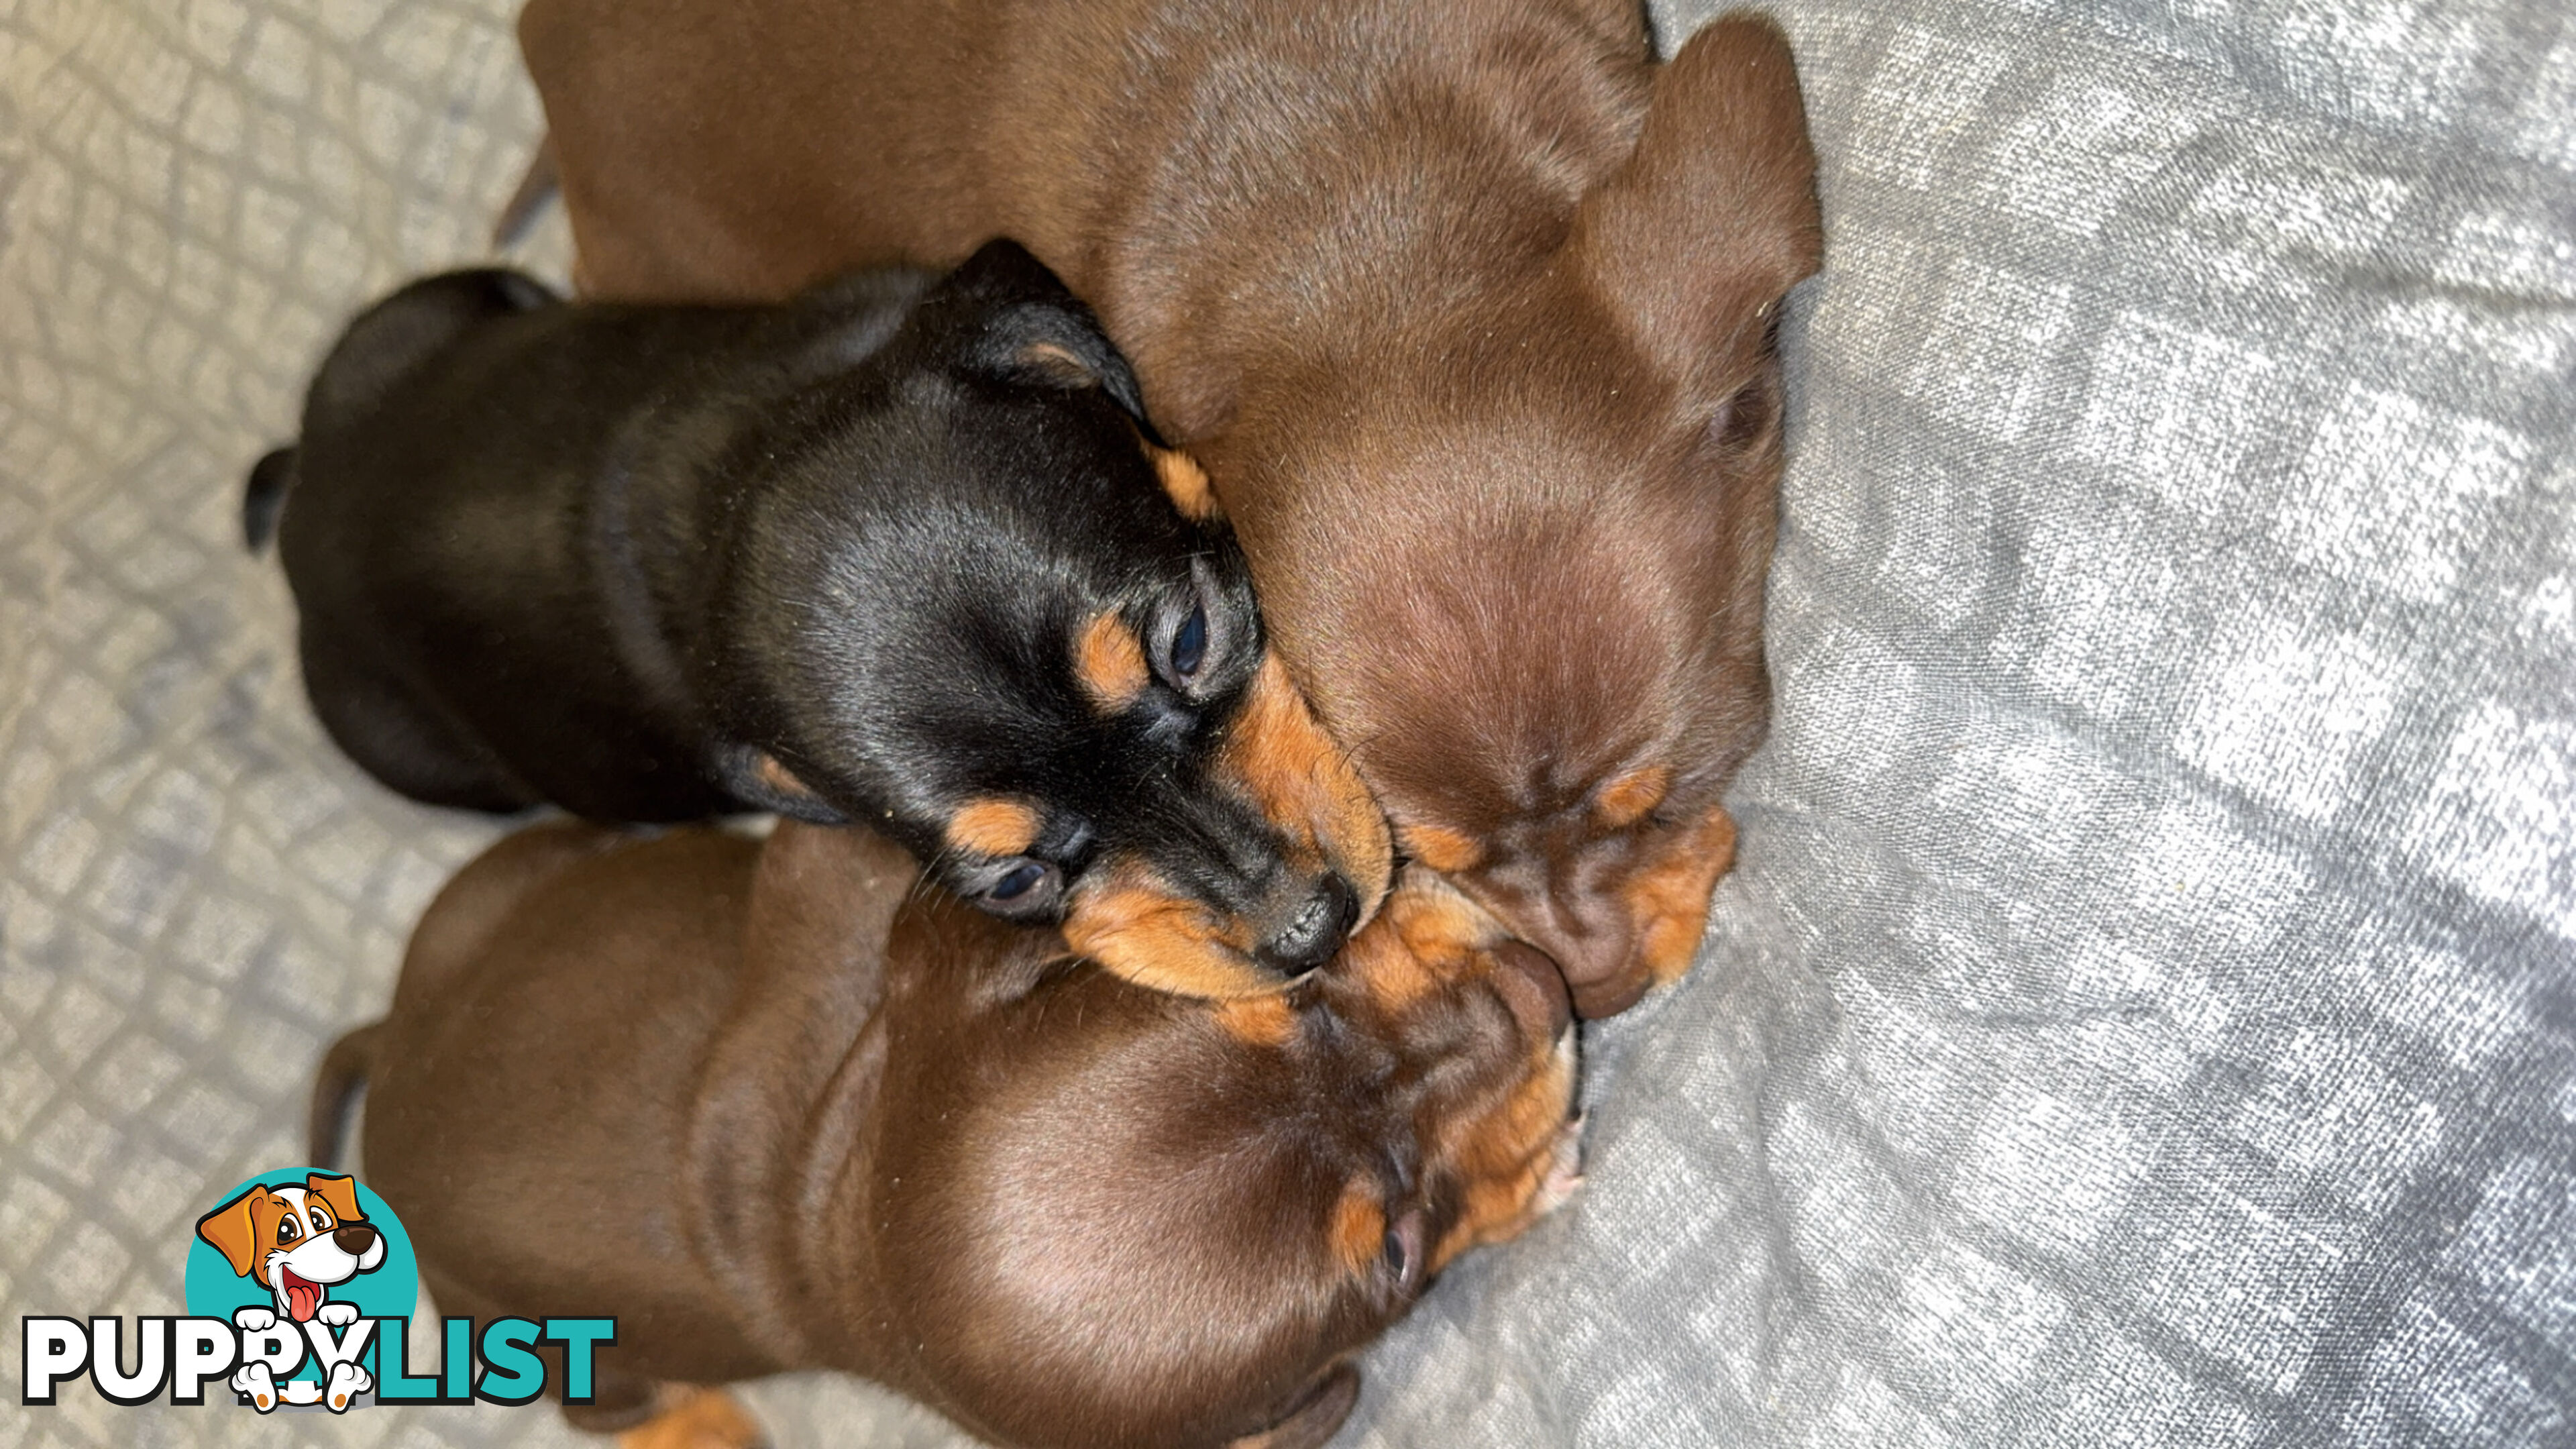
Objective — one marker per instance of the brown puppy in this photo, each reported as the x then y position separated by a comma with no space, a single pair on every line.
697,1085
1467,305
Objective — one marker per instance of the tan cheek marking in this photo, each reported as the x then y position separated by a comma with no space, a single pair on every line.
1669,899
1110,663
1394,977
1186,482
1423,942
1359,1228
1626,799
1137,929
1300,779
1441,926
992,826
1260,1021
1442,848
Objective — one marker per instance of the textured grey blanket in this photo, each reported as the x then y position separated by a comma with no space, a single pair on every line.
2143,1013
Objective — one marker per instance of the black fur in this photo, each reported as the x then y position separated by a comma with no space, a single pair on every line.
613,558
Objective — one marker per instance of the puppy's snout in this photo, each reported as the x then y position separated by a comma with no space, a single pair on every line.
1534,990
1314,931
1599,967
354,1239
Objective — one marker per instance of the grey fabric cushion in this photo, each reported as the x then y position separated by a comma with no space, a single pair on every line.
2143,1011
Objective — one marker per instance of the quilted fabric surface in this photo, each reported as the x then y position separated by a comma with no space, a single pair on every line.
2145,1012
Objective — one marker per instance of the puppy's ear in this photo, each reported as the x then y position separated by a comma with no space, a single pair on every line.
1694,239
1318,1412
232,1230
1036,331
338,1191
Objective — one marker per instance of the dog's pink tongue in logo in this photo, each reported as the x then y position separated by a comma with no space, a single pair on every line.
303,1296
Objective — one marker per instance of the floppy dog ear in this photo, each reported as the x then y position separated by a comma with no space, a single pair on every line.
232,1231
1713,216
341,1193
1038,332
1320,1410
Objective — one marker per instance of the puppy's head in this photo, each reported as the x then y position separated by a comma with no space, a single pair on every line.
1050,655
1524,578
1135,1220
296,1240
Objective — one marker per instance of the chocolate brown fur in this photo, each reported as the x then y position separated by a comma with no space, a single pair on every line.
1467,307
772,1109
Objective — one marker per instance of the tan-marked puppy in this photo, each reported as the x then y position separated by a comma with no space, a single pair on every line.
771,1113
1466,305
902,553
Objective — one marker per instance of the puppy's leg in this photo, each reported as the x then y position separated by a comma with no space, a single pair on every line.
668,1416
407,745
1311,1418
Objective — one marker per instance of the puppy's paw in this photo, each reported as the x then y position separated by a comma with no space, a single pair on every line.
695,1418
338,1315
1564,1177
254,1319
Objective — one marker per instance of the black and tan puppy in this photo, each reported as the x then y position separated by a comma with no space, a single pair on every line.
899,551
771,1109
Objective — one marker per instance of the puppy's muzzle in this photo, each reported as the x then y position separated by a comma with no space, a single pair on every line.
1533,988
1314,931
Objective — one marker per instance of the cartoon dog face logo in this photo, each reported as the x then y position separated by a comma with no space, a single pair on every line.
296,1240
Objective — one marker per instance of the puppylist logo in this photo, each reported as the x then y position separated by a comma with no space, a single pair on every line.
296,1283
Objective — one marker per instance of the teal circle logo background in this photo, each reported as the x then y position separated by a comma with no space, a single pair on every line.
390,1290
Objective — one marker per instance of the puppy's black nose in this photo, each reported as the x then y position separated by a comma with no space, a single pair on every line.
1315,932
354,1239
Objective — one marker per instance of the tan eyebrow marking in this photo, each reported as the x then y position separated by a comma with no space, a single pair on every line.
1186,482
1109,661
1359,1228
994,826
1441,848
1626,799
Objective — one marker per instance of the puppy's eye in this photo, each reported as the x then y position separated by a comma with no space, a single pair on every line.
1018,888
320,1223
1198,638
1189,646
1401,1251
1018,881
289,1229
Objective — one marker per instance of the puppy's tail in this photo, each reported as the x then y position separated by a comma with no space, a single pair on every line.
520,212
345,1068
264,501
